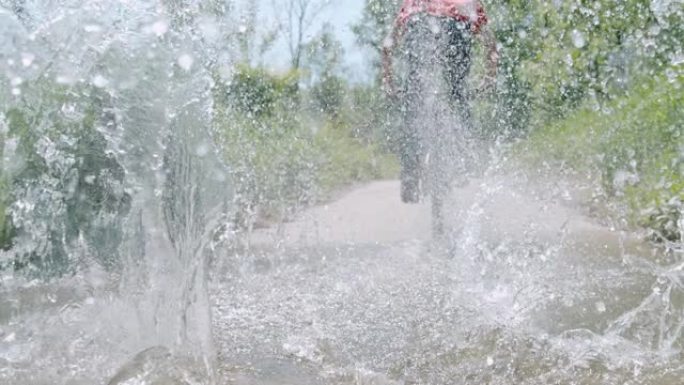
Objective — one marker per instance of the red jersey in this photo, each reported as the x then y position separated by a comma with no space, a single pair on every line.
470,11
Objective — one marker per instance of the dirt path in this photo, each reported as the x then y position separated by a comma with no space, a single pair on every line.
369,214
497,208
355,289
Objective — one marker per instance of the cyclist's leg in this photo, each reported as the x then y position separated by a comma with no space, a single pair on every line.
458,58
441,138
410,157
410,141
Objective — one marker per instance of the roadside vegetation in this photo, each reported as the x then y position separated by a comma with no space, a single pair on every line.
606,103
290,147
593,88
632,147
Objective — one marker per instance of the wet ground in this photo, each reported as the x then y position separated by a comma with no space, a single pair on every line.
525,290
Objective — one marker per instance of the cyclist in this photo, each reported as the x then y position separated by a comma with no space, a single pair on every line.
453,24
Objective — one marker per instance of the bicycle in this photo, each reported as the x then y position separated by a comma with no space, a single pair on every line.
436,136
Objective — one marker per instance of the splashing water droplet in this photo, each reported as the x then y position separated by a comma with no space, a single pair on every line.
671,75
209,29
16,81
16,91
678,58
160,28
490,361
568,60
578,39
226,72
92,28
601,307
186,61
654,30
64,79
27,59
100,81
202,150
10,338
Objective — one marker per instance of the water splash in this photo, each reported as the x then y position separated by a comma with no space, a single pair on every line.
123,190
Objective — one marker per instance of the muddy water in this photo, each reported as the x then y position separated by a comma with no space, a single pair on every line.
526,290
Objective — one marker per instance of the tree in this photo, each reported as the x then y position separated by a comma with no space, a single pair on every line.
257,92
375,23
323,55
252,40
322,62
294,22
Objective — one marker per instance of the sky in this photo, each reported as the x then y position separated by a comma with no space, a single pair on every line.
341,14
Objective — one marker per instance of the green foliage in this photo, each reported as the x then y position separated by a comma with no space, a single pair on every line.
372,116
322,62
561,53
293,156
273,162
559,58
583,66
376,22
62,183
280,165
257,92
323,55
634,144
328,94
345,159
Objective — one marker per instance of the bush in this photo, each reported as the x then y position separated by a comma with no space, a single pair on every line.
62,187
272,160
346,160
256,92
287,157
635,145
328,95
